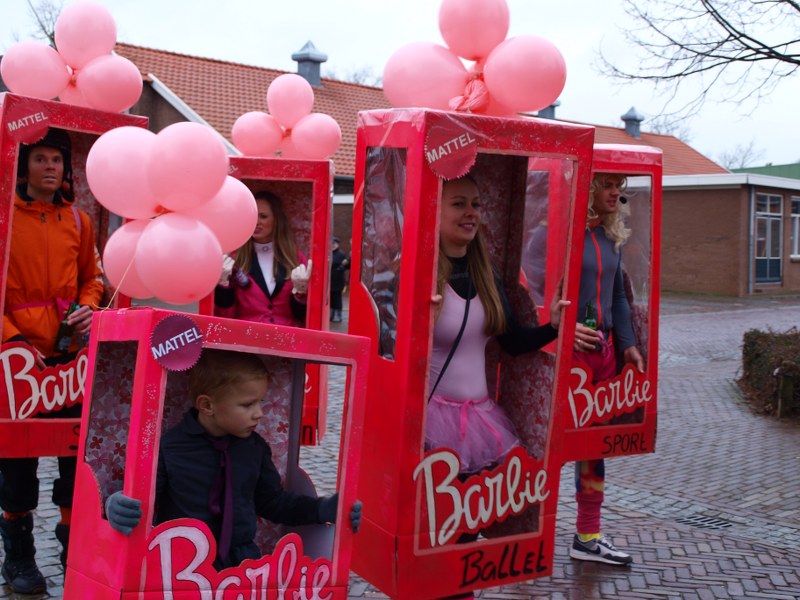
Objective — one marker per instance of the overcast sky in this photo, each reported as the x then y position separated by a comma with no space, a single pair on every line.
357,34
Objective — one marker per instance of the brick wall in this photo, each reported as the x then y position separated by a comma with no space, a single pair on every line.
704,241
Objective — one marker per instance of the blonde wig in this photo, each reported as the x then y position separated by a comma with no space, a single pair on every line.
613,223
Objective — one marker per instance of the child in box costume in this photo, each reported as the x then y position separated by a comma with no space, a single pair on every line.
213,467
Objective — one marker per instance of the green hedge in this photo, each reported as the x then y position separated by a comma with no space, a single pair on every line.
771,370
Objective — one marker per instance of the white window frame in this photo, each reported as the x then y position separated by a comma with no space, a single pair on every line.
769,218
794,227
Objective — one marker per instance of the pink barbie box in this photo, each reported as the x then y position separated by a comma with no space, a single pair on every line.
415,507
25,390
617,417
132,399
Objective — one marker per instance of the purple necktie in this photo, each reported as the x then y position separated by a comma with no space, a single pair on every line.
222,482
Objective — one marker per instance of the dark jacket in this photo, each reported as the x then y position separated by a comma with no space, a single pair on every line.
187,467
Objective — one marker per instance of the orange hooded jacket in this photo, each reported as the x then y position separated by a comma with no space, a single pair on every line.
52,261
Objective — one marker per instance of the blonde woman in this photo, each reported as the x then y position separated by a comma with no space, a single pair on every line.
268,281
460,414
604,328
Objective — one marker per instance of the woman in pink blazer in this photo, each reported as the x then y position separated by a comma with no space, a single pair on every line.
268,280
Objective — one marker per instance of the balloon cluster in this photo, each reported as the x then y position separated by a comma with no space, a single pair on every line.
519,74
185,209
83,71
290,130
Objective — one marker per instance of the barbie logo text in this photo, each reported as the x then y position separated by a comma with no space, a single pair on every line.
183,555
482,499
592,404
30,390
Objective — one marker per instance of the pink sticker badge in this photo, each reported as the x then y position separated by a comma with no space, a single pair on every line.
176,343
450,150
26,122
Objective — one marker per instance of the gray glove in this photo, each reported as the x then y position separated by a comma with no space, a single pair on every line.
123,513
327,511
355,515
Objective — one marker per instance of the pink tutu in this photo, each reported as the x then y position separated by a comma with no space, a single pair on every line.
479,431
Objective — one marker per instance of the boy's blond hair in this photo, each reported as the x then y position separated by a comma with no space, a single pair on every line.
219,369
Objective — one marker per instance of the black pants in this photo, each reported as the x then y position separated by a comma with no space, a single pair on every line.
20,485
336,299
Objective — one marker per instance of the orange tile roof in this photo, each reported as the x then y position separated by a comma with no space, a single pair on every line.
221,91
679,157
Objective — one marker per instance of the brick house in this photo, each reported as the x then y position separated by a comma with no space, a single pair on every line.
723,233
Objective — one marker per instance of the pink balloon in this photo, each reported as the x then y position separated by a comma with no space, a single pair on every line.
287,149
119,260
84,31
178,258
257,134
423,75
525,73
72,95
289,99
34,69
497,109
116,169
110,82
317,136
231,214
187,166
472,28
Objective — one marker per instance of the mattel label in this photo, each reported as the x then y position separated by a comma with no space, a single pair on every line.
176,343
451,150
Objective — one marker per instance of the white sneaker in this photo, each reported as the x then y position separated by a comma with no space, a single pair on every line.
598,550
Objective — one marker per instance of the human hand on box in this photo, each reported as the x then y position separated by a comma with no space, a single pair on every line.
633,356
300,276
557,305
123,513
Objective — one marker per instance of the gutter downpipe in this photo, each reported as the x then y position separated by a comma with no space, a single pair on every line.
750,246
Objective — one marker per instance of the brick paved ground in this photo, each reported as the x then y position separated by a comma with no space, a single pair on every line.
714,459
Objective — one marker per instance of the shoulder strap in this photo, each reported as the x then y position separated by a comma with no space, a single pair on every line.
454,346
77,216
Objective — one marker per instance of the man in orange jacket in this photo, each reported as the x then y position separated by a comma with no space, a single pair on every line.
53,261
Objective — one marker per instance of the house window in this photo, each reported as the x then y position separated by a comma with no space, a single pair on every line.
794,227
769,213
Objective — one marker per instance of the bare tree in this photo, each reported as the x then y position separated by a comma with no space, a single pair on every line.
45,14
743,155
666,125
744,47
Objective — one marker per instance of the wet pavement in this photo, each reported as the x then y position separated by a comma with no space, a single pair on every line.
713,513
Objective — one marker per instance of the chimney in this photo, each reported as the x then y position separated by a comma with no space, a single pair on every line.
633,122
550,111
308,61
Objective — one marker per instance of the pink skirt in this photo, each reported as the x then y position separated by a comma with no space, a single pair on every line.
479,431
